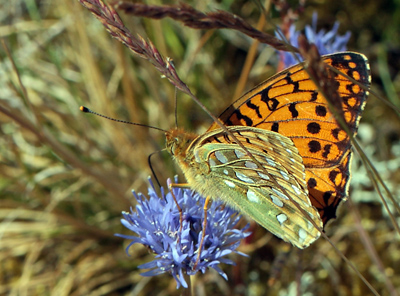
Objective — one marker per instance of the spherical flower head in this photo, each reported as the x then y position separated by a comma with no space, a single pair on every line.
156,221
326,42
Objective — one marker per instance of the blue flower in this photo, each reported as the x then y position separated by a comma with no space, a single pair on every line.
156,222
326,42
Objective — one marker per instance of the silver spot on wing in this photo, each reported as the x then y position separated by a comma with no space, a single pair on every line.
296,189
281,218
230,184
239,153
284,175
302,235
212,162
244,178
264,176
250,165
276,201
270,161
252,196
221,157
289,151
279,193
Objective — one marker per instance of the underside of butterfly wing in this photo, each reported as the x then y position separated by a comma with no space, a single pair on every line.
268,186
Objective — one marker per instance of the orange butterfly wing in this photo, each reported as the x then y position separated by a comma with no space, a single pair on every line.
289,103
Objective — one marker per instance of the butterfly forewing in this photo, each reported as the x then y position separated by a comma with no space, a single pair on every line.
269,188
289,103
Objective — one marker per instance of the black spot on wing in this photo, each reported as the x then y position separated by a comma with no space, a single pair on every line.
314,146
271,103
246,119
275,127
320,110
311,183
327,150
313,128
254,107
293,111
314,96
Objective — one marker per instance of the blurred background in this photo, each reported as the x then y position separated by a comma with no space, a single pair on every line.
66,176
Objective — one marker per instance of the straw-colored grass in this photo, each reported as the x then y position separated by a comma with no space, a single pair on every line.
65,176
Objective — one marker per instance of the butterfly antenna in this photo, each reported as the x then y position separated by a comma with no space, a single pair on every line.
87,110
176,108
151,166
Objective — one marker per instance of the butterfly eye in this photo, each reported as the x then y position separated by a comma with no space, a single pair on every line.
173,144
170,145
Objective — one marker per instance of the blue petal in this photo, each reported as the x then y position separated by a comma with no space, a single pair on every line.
148,265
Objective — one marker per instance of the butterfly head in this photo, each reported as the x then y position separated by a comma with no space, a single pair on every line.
178,140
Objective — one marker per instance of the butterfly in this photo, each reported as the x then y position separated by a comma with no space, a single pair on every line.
285,161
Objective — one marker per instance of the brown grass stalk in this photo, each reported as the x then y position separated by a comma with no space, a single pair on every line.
195,19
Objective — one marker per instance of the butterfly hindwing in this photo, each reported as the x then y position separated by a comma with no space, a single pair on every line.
259,192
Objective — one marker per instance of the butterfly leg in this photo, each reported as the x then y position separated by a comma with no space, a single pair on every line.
180,185
205,208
